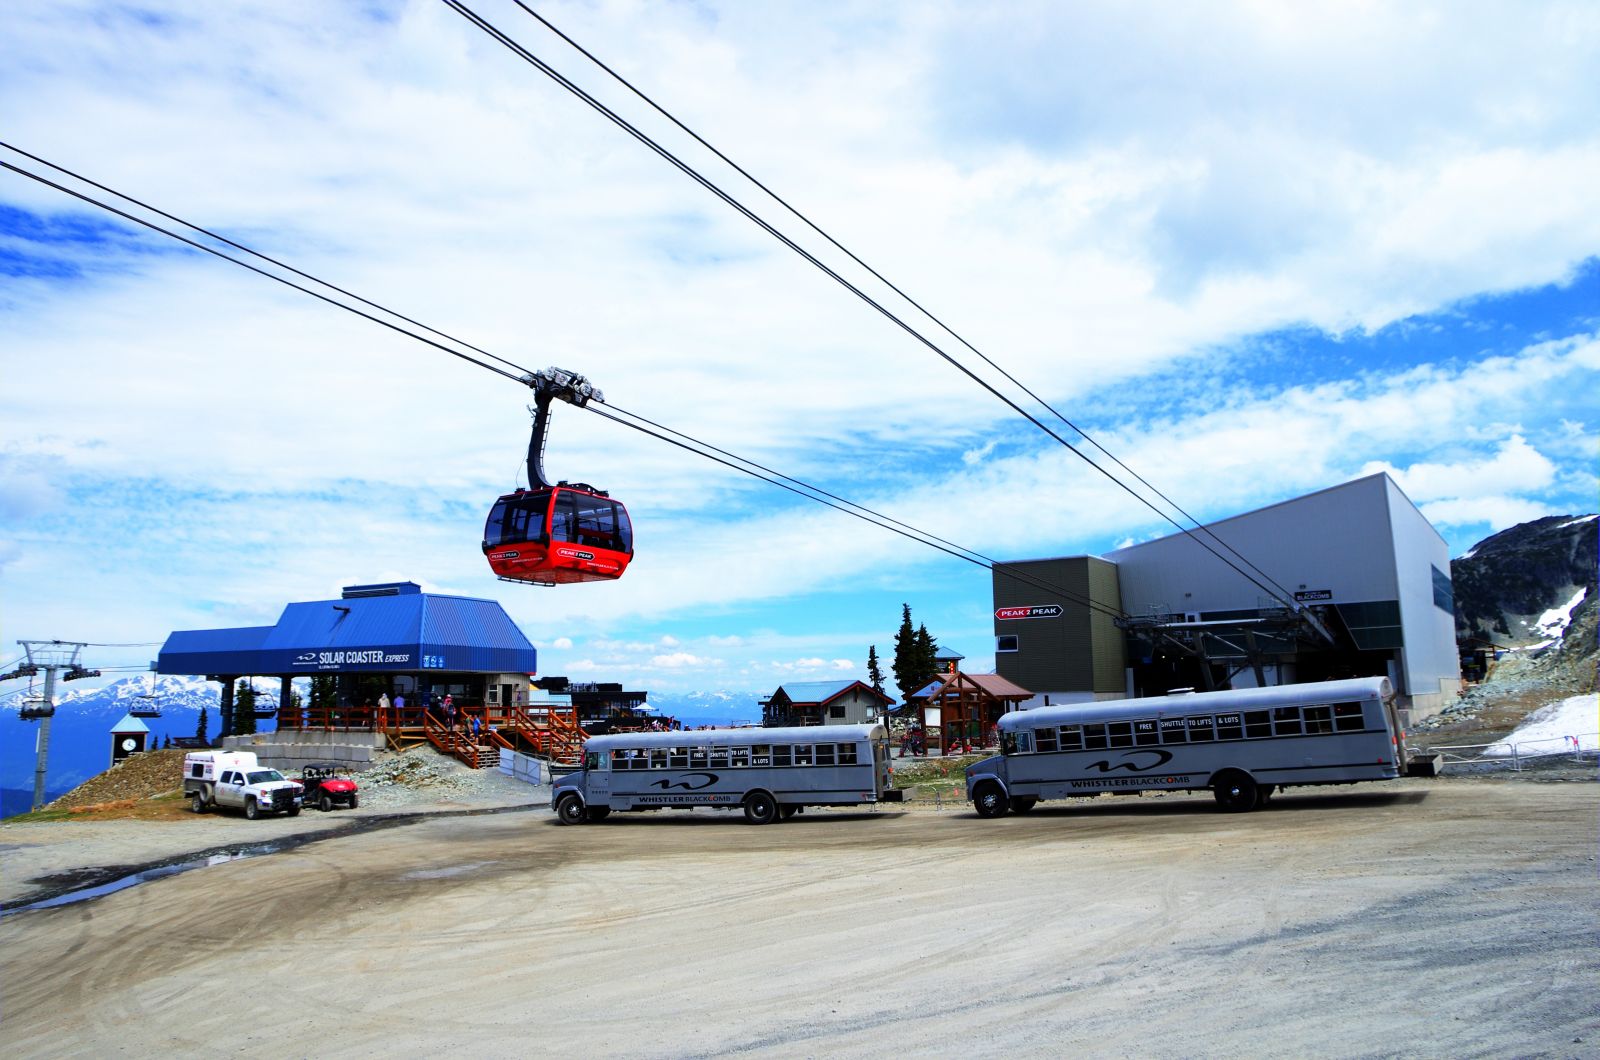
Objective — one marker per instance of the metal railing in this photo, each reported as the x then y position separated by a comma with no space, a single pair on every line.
1506,754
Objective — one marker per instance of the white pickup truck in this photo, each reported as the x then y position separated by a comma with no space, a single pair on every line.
235,779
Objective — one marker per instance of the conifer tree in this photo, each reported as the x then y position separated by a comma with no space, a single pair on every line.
244,710
905,647
874,669
926,650
200,729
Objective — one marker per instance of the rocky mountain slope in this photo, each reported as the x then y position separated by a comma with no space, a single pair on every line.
1508,585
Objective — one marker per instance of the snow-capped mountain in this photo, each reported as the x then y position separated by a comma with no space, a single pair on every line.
80,732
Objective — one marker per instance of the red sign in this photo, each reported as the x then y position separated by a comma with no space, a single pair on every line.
1035,611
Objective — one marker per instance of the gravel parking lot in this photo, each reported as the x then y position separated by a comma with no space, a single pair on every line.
1427,918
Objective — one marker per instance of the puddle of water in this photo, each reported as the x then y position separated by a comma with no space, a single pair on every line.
274,846
133,880
447,872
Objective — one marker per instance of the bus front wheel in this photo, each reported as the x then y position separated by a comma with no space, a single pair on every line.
1235,791
990,801
570,811
760,808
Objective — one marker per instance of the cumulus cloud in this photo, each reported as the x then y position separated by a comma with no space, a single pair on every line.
1108,208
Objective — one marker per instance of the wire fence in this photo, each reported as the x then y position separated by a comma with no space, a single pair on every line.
1506,754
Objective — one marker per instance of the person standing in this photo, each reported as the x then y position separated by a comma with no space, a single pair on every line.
450,710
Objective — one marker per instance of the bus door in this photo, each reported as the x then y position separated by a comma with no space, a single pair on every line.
1391,714
597,778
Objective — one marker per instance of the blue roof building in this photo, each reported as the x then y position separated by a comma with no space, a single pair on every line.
377,629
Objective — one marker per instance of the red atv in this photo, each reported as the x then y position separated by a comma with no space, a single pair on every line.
325,788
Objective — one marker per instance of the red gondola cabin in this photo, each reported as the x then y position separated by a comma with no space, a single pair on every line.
558,535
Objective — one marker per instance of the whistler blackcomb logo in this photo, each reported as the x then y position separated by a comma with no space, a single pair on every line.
1132,763
686,782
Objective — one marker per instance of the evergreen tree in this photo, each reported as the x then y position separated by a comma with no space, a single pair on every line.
926,655
905,647
244,710
874,669
200,729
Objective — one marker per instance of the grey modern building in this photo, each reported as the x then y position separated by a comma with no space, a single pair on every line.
1350,581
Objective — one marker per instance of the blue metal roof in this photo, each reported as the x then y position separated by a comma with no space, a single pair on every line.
129,723
821,691
402,632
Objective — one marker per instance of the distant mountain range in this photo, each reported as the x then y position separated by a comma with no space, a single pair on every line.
80,732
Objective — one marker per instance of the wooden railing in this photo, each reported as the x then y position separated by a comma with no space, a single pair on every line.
552,733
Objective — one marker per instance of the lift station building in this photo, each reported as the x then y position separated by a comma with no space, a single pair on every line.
390,639
1355,583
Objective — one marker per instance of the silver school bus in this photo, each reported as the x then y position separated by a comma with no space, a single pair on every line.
1241,745
767,773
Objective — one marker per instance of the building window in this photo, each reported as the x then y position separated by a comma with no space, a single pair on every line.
836,710
1008,642
1444,594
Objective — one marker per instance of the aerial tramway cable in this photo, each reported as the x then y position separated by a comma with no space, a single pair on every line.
880,277
1278,593
653,429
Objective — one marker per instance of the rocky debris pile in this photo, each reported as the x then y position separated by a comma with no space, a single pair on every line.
396,780
140,776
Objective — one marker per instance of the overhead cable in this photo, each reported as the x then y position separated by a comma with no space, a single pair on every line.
689,443
533,60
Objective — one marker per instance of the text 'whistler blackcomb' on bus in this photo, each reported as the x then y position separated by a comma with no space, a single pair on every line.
767,773
1241,745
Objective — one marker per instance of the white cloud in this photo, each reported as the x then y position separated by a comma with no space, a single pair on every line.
1091,201
679,660
1515,466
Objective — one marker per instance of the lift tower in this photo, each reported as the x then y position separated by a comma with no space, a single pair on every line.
53,657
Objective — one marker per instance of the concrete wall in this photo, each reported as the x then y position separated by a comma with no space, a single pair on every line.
291,751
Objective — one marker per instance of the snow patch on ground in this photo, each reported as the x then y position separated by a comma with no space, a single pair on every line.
1580,519
1563,727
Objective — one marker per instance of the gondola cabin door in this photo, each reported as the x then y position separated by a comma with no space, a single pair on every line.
558,535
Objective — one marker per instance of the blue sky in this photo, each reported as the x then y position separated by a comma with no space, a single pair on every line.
1255,254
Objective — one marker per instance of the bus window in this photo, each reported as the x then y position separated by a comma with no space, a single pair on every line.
761,754
802,755
847,754
1071,738
1121,733
620,759
780,755
1257,724
678,757
1347,717
1044,739
697,757
719,758
1008,743
1318,720
658,758
1200,729
825,754
1094,737
1286,721
1145,733
1173,730
739,757
1229,727
592,760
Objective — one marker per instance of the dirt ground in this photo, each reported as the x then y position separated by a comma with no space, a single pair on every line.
1425,918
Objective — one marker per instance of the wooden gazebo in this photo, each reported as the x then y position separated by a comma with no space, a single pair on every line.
960,710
